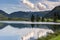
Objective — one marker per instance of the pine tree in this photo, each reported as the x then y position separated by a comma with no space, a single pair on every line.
37,18
42,19
32,20
55,17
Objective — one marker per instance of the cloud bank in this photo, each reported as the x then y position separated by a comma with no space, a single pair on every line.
38,6
42,4
30,5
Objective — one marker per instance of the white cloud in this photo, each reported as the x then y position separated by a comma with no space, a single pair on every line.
51,5
41,6
31,5
37,6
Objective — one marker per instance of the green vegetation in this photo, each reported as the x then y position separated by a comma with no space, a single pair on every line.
32,18
56,38
18,19
37,19
58,20
42,19
52,36
14,19
52,16
4,18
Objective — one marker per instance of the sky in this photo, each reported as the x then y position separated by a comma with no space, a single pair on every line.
10,6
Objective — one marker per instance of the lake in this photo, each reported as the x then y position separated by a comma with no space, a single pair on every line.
14,31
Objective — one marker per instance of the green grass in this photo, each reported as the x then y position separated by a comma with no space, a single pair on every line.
58,20
51,20
56,38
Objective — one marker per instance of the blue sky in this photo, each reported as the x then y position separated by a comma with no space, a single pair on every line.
10,6
9,1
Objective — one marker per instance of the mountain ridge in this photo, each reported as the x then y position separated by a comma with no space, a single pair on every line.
23,14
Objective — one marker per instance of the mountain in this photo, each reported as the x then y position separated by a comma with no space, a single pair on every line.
19,14
3,25
3,13
55,11
27,14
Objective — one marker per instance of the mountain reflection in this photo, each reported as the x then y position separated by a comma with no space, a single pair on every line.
2,25
17,25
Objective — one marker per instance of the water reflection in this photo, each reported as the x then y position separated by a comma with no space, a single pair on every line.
20,25
30,26
54,27
2,25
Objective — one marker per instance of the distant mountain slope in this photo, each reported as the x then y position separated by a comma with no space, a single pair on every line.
3,13
23,14
19,14
27,14
55,11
